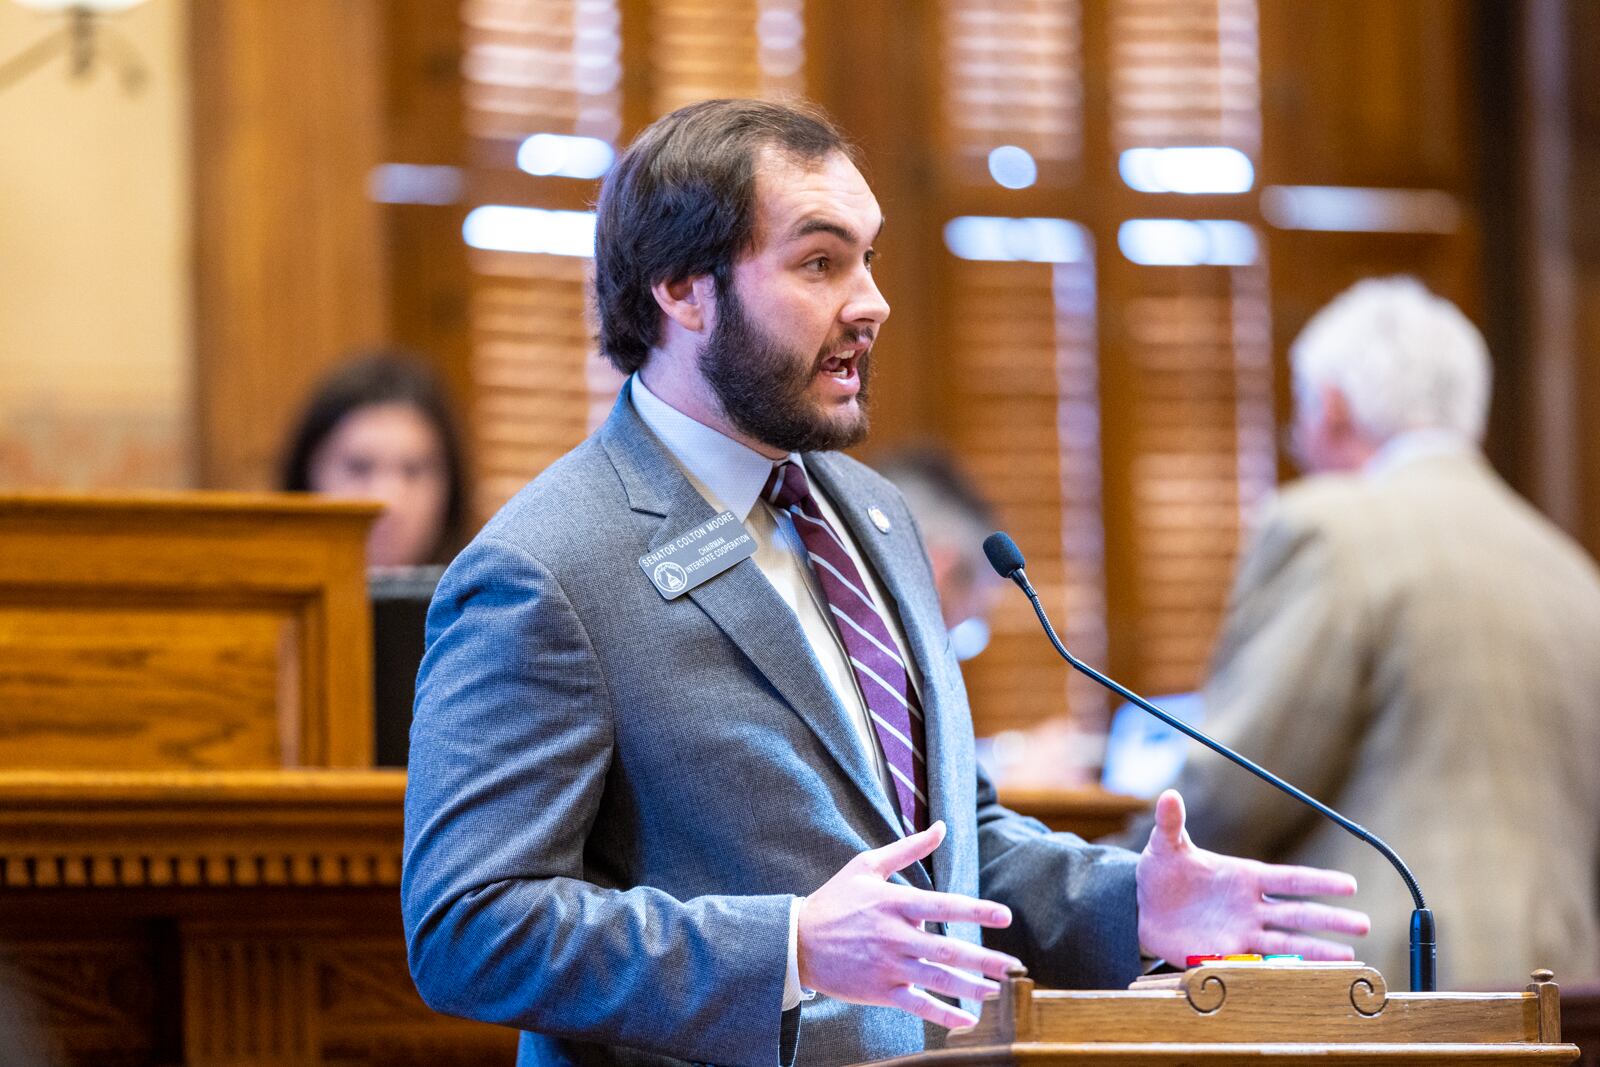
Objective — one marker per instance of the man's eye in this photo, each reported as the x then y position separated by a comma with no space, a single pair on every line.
818,265
869,259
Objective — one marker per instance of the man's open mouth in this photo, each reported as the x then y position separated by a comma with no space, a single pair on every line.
841,365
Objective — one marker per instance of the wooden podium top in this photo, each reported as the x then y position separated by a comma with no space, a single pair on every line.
1301,1014
184,632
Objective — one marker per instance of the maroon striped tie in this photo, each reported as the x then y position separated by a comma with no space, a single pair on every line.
876,659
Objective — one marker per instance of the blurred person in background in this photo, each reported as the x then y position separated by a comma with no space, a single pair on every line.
379,428
954,518
1412,643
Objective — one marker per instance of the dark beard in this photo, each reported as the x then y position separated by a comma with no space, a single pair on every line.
762,386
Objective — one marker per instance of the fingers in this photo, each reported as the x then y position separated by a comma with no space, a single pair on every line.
1285,880
952,952
884,861
923,906
1311,948
934,1010
1293,915
1167,834
936,978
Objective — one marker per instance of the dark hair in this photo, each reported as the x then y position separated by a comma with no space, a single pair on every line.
681,202
385,376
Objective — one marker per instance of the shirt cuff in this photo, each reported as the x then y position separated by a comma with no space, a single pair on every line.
794,994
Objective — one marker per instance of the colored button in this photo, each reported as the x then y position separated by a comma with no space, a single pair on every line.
1285,956
1244,957
1195,961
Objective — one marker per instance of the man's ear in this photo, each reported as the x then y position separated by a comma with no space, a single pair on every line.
1336,415
687,301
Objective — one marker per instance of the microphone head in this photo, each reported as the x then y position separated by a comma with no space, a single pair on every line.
1004,555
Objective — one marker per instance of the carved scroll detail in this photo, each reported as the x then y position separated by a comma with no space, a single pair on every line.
1207,995
1369,993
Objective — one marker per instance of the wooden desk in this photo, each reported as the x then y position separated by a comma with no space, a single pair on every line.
184,631
176,886
218,918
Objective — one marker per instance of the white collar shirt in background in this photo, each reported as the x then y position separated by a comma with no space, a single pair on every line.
1413,445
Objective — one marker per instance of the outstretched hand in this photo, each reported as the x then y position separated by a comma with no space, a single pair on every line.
861,937
1192,901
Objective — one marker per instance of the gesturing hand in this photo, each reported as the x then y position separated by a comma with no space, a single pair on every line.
861,937
1194,901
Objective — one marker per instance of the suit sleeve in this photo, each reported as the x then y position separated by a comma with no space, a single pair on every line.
511,745
1074,916
1285,690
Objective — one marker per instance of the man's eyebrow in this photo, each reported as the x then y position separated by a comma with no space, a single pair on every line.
820,224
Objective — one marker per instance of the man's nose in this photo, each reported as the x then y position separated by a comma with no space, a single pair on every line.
867,305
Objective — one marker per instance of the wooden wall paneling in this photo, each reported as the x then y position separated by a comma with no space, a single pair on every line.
425,255
1497,107
1553,240
537,383
1101,217
184,631
702,49
1382,102
289,263
885,98
1185,376
1023,339
1364,92
1582,193
1016,397
1201,427
531,360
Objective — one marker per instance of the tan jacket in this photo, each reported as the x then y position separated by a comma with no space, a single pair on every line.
1420,649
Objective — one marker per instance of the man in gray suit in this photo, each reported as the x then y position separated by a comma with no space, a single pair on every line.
691,772
1409,641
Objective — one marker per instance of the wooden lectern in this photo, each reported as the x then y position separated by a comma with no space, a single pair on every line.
1291,1014
198,865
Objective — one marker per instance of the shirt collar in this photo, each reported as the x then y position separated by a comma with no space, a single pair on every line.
1414,445
728,474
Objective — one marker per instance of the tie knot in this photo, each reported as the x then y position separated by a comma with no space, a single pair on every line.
786,486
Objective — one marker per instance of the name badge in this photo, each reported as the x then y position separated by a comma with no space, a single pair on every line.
698,555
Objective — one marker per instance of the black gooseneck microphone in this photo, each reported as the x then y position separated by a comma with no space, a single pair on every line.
1006,558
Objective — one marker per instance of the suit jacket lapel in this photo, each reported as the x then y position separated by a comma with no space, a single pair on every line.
741,601
893,557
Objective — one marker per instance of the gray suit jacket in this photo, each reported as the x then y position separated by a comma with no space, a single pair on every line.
1420,649
614,798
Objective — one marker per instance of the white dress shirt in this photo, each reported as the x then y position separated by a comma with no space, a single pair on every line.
731,476
1412,445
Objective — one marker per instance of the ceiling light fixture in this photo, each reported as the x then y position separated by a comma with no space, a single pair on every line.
85,38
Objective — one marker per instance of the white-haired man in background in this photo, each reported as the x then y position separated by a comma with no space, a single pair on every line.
1411,642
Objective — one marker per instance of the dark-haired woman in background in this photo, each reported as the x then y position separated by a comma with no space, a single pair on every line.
380,428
